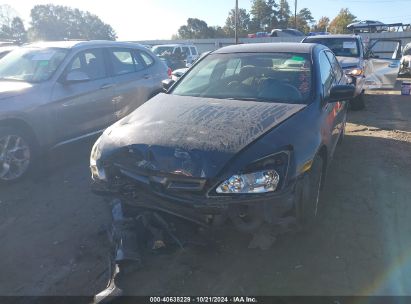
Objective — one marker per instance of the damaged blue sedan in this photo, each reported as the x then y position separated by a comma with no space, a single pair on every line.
246,135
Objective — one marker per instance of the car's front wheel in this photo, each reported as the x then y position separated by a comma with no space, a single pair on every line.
307,208
16,154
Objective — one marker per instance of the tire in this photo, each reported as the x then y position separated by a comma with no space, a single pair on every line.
357,103
307,209
17,155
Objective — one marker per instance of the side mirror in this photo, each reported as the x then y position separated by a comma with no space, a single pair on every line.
341,92
76,76
167,83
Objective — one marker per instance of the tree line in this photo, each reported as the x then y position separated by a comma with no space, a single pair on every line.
265,15
53,22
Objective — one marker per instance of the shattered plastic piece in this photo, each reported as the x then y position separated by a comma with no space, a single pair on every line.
111,292
158,244
124,236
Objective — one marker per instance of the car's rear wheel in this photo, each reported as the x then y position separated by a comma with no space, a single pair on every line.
16,155
307,208
358,103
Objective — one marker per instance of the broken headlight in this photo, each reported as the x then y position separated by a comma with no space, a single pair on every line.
262,176
97,172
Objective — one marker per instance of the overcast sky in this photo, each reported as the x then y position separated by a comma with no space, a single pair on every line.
159,19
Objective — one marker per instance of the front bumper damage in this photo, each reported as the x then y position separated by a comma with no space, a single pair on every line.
247,212
135,232
144,222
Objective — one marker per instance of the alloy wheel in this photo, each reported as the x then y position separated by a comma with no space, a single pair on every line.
14,157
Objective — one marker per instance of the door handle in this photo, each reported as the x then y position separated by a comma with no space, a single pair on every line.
106,86
146,76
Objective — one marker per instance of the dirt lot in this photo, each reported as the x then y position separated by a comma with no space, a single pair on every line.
53,241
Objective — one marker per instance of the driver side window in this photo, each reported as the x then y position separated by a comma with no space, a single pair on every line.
326,71
90,62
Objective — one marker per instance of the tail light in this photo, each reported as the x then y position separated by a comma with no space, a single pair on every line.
169,72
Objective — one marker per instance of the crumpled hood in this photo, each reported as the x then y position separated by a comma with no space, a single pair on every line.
348,61
192,135
13,88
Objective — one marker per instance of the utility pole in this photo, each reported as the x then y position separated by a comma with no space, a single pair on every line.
236,22
295,14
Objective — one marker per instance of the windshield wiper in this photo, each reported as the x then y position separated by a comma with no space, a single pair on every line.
250,99
266,100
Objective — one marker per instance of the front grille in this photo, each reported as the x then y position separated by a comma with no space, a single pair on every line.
165,184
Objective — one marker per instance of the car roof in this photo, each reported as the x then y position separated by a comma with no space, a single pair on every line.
74,44
295,47
332,36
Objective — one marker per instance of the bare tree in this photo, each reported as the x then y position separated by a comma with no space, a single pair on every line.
7,14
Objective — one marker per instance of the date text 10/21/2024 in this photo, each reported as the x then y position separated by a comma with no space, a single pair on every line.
240,299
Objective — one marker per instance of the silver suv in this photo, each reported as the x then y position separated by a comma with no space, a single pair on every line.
57,92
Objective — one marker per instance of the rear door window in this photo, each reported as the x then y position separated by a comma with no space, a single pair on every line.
124,61
148,60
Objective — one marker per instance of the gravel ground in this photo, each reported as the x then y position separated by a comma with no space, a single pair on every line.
54,243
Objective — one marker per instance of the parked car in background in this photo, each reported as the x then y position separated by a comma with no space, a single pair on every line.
6,47
184,52
367,26
4,50
317,33
286,33
57,92
406,61
173,63
176,74
258,35
245,135
366,70
261,34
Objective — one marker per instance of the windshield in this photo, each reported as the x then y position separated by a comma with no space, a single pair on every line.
340,47
269,77
31,64
162,50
